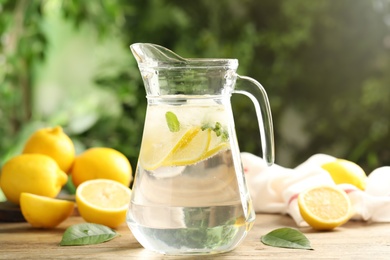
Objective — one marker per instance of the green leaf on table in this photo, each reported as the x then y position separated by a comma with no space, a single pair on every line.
87,234
287,238
172,121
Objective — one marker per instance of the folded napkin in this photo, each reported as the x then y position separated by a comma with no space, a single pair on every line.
275,189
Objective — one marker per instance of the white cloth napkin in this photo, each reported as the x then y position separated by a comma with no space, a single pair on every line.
275,189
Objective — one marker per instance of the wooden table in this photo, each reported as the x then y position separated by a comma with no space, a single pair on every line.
354,240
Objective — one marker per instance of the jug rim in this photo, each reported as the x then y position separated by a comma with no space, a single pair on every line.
155,56
192,63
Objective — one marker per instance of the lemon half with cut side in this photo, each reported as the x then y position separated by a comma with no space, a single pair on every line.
103,201
325,207
44,212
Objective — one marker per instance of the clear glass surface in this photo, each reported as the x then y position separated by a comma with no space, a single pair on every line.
189,195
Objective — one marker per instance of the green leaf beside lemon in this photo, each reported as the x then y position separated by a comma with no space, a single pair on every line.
87,234
287,238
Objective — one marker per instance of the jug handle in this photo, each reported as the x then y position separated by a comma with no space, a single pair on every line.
256,92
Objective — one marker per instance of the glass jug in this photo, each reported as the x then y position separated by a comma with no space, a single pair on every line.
189,194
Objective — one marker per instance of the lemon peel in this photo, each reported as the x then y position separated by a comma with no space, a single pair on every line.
53,142
101,163
344,171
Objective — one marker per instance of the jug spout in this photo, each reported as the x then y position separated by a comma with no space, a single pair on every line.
152,55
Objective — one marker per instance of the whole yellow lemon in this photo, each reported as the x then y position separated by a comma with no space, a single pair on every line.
101,163
33,173
52,142
344,171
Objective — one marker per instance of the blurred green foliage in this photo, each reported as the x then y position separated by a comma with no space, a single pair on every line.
323,63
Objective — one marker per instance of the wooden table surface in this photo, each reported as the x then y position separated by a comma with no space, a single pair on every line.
354,240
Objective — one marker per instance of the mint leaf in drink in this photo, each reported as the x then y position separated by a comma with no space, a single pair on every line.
172,121
218,130
287,238
87,234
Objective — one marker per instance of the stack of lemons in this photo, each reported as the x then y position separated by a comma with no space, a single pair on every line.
34,179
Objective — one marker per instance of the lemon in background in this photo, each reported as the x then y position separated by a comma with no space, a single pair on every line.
101,163
33,173
52,142
103,201
344,171
44,212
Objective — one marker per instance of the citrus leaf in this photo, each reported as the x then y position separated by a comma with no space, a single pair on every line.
172,121
286,237
87,234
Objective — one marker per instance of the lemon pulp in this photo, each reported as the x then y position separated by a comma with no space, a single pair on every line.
103,201
324,207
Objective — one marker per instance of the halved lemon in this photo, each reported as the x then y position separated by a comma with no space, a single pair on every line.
44,212
324,207
103,201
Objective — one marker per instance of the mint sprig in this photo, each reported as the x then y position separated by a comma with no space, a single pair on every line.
218,130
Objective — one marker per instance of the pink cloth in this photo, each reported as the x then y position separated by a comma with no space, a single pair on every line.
275,189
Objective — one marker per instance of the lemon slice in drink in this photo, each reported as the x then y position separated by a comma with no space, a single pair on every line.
170,150
191,150
216,144
193,146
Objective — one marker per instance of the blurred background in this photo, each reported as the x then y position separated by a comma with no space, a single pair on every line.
325,65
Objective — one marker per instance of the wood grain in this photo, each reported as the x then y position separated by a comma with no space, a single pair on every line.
358,240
